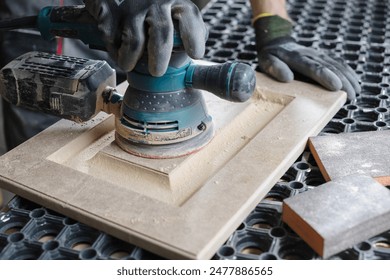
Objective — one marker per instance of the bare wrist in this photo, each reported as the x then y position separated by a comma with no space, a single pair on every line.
269,7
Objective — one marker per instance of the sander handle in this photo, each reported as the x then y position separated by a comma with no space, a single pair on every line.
77,23
231,81
70,22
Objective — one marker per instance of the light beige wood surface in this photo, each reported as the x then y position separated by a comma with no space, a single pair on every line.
339,214
353,153
177,208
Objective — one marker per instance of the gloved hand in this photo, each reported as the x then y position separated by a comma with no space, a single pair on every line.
131,25
279,55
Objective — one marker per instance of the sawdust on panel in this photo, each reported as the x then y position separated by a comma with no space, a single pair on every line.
171,181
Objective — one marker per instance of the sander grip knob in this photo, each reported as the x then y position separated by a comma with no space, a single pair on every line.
231,81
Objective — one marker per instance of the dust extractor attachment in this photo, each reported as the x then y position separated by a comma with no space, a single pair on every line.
158,117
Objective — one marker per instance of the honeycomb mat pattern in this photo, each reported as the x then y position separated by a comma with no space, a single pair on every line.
28,231
356,30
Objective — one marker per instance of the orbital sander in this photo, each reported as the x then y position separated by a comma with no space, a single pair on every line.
157,117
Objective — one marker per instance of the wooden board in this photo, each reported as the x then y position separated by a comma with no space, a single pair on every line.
339,214
177,208
350,153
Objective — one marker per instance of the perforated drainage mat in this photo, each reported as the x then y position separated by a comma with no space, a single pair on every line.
28,231
357,31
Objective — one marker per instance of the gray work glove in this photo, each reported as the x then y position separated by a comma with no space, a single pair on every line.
131,25
279,55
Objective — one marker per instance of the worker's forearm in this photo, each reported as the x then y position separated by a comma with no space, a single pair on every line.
275,7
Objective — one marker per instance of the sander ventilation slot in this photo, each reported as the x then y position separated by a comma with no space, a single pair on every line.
48,70
76,60
150,127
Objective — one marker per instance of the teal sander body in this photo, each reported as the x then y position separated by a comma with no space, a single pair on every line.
158,117
163,116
